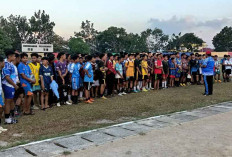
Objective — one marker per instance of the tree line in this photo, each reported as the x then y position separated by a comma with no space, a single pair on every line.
17,29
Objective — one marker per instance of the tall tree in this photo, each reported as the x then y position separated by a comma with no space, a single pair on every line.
77,45
88,33
59,43
223,40
5,42
41,27
191,41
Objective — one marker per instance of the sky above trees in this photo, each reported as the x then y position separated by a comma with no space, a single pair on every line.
204,18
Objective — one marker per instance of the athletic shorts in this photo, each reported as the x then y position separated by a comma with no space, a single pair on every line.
102,81
88,85
119,81
140,77
158,76
165,75
96,83
145,77
36,88
228,71
27,89
1,101
75,83
217,72
130,78
172,76
9,92
194,73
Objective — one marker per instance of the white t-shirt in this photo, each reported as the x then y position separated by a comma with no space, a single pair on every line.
228,66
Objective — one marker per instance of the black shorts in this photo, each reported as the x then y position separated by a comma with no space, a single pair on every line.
228,71
184,74
118,80
158,76
140,77
131,78
88,85
194,73
145,77
18,91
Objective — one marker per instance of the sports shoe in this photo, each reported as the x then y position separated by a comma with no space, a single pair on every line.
184,84
219,81
181,84
58,104
11,121
144,90
91,99
103,97
215,81
68,103
135,91
123,93
88,102
120,94
152,88
2,129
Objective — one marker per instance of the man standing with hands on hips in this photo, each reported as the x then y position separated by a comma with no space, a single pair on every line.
208,73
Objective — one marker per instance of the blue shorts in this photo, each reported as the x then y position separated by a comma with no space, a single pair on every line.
27,89
1,101
75,83
9,92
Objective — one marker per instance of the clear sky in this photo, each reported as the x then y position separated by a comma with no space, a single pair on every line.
202,17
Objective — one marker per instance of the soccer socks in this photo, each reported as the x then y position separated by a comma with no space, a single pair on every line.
81,94
163,84
69,97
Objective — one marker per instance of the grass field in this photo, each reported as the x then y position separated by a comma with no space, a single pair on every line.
71,119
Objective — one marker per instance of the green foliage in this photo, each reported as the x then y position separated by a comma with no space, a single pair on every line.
77,45
59,44
223,40
5,42
188,40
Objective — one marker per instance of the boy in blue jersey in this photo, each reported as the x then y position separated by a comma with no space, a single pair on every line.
88,79
26,79
9,81
75,79
46,78
2,64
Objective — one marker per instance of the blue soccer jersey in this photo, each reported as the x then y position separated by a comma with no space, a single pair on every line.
10,71
24,69
208,70
89,68
76,69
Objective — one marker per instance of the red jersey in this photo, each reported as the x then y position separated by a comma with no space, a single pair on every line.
160,64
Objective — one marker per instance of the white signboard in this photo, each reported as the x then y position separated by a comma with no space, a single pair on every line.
37,48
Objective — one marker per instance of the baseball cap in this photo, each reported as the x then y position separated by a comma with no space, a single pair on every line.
208,53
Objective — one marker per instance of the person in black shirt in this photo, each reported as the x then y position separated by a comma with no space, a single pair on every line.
138,73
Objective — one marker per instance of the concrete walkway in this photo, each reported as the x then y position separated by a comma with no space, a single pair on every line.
201,132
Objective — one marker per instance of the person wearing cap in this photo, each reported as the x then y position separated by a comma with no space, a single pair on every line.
208,73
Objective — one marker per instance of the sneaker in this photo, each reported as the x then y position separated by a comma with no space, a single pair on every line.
219,81
120,94
184,84
58,104
68,103
10,121
2,129
103,97
152,88
123,93
135,91
144,90
91,99
88,102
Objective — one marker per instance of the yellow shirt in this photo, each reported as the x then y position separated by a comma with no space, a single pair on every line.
144,66
130,68
35,71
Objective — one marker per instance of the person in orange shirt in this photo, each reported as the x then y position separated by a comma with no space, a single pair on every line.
130,71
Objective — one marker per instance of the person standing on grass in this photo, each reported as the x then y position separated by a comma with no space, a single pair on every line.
223,68
158,72
138,73
228,68
75,79
145,73
62,78
2,64
88,79
25,76
165,71
130,67
178,69
172,73
9,85
34,66
217,75
102,74
208,73
46,77
119,76
185,67
110,74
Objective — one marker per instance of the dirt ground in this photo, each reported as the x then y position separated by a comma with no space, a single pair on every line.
207,137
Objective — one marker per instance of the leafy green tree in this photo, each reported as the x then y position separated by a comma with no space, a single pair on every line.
77,45
191,41
5,42
41,28
88,33
59,43
223,40
174,42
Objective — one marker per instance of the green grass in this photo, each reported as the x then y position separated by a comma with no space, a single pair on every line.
66,120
